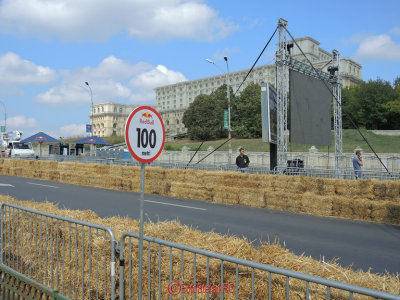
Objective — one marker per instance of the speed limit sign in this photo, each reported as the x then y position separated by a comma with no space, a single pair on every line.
145,134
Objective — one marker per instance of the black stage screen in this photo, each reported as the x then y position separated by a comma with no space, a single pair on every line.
310,110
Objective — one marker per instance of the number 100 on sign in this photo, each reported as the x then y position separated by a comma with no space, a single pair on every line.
145,134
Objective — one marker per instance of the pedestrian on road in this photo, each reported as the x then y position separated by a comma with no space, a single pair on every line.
357,164
242,161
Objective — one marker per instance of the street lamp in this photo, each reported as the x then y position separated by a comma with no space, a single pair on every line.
91,109
229,101
5,116
91,115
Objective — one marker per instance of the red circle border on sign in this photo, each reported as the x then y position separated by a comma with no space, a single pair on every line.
128,122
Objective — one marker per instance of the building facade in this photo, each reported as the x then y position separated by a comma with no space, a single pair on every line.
172,100
109,118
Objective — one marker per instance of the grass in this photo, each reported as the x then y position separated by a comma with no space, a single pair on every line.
351,140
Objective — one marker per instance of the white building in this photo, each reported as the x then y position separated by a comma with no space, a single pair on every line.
109,118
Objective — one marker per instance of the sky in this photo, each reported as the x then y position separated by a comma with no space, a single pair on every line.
126,48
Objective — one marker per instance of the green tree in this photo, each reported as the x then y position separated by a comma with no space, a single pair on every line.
204,117
367,104
246,112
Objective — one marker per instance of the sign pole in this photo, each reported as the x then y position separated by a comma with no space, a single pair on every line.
145,138
142,178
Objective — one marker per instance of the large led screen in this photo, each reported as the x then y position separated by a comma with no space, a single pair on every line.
310,110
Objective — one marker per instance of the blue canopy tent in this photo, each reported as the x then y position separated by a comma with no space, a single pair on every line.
93,140
40,138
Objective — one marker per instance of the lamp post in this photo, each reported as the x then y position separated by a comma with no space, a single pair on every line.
91,115
229,101
5,116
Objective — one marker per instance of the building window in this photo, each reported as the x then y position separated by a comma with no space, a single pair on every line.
120,109
115,109
102,109
115,125
177,121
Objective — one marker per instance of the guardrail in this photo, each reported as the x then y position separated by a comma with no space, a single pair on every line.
44,247
48,254
14,285
170,271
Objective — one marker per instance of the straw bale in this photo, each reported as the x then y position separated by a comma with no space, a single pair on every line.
180,190
249,197
393,213
200,193
227,195
268,253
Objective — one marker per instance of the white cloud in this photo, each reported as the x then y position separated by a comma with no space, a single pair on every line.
21,123
145,83
100,19
378,47
16,71
219,55
112,80
72,130
395,30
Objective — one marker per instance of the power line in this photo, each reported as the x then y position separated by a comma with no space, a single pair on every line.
213,151
265,47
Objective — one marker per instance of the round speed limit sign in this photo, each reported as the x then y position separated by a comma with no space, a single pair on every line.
145,134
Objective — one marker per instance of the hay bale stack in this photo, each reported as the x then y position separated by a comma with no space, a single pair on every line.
271,253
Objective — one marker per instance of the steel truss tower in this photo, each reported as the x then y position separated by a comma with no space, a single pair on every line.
336,82
282,87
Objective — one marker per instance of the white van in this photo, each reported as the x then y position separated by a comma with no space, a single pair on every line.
22,150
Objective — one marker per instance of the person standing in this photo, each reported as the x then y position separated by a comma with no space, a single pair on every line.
357,164
242,161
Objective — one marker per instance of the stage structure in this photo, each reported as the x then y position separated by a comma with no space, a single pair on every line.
332,81
282,89
336,82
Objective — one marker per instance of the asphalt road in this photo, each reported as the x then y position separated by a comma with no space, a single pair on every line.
363,244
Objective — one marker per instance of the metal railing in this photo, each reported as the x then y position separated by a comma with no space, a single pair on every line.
47,254
74,257
347,173
14,285
325,172
171,269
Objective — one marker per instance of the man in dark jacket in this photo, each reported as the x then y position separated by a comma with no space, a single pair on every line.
242,161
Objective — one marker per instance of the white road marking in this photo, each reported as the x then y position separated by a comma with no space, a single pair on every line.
6,184
184,206
50,186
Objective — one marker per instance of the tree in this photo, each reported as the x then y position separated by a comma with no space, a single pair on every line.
246,112
368,104
204,117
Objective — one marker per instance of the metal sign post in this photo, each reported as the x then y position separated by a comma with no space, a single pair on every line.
145,138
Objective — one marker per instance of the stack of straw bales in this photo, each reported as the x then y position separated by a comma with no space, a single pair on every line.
369,200
270,253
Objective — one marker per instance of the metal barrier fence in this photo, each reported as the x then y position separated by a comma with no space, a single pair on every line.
326,172
334,173
14,285
171,269
74,257
46,254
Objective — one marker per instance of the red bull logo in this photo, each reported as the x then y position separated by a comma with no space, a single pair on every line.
91,140
40,138
147,117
